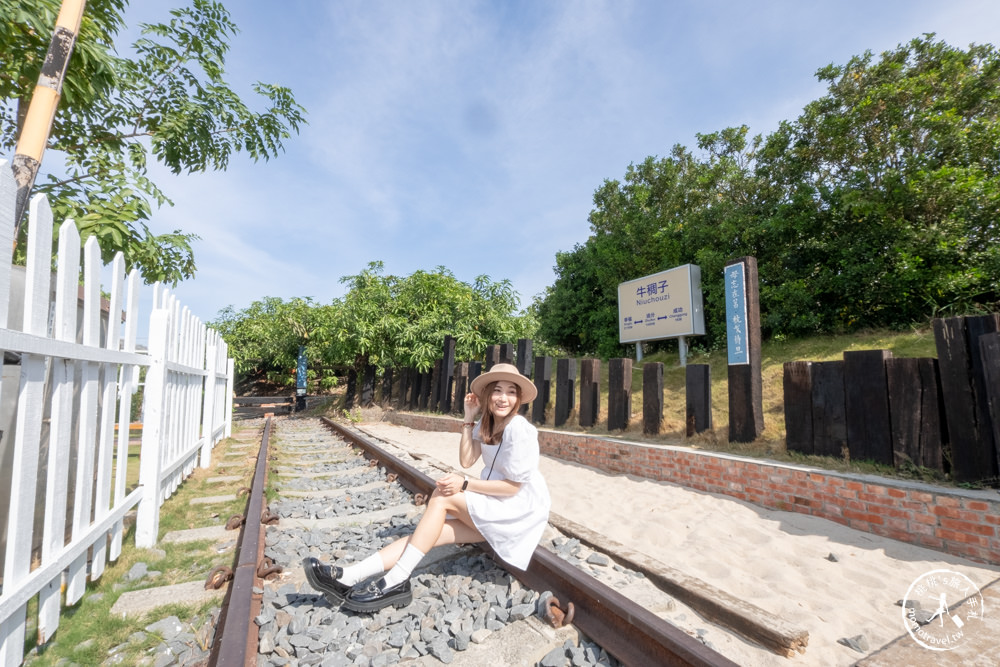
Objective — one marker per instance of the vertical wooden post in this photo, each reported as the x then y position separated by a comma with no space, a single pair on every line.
386,398
434,399
797,386
543,383
829,413
523,364
590,391
867,404
416,388
447,373
426,382
746,407
619,393
404,388
989,350
506,353
973,453
565,390
652,398
350,392
475,370
368,386
915,412
698,398
461,381
492,356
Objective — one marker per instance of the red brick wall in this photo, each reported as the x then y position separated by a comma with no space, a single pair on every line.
956,521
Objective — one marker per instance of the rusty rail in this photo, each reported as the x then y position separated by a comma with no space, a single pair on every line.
236,639
630,632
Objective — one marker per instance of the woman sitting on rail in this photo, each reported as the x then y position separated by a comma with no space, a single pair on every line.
508,507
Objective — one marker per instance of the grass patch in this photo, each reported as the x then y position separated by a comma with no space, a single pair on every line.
88,630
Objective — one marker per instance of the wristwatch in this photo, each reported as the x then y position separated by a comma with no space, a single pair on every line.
465,484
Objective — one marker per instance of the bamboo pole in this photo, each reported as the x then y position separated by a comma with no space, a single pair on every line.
44,101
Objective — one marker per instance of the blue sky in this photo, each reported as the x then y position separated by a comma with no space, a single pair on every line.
472,135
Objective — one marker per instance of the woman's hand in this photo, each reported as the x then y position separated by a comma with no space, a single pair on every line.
450,484
471,406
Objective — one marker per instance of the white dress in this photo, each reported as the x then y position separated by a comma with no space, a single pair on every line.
513,525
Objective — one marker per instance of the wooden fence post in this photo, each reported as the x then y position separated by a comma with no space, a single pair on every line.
698,398
652,397
506,353
523,364
368,387
461,381
829,412
447,373
492,356
866,400
619,393
147,521
989,349
746,407
590,391
915,412
351,391
543,383
565,390
387,380
973,453
475,370
797,391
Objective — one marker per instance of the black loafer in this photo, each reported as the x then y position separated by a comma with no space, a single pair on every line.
324,579
375,596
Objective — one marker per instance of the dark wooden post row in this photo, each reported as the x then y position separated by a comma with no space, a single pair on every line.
590,394
652,397
915,412
746,389
698,398
866,402
543,383
435,393
619,393
565,390
970,430
797,392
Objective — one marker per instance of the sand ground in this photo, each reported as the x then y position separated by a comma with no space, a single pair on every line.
778,561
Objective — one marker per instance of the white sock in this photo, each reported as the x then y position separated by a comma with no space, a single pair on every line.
361,570
401,571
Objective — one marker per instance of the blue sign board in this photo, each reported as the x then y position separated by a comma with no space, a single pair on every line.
300,372
736,315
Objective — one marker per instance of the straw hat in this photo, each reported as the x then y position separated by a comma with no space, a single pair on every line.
509,373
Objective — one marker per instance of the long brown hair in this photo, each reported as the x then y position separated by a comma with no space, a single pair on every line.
490,430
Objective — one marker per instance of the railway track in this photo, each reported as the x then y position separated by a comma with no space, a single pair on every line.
338,495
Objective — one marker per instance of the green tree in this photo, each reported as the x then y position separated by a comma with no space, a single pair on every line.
890,189
169,102
382,320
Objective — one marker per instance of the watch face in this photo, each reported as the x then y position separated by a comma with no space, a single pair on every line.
942,609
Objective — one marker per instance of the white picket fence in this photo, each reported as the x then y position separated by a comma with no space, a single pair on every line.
74,396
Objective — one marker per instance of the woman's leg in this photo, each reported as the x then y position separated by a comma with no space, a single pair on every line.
433,530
